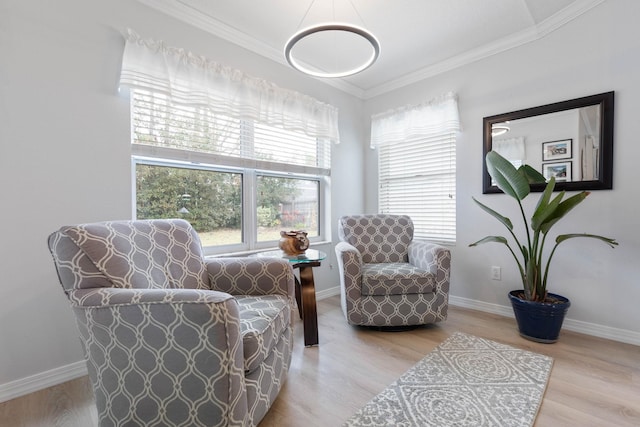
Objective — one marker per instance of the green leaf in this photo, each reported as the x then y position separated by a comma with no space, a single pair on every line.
546,210
506,176
525,253
532,175
562,209
503,219
491,239
548,191
609,241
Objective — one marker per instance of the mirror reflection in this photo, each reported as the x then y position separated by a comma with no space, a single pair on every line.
570,140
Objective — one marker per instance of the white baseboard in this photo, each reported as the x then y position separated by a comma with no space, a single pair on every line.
75,370
42,380
615,334
481,306
327,293
593,329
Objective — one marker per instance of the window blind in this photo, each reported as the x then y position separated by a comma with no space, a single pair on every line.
193,79
417,178
417,165
165,128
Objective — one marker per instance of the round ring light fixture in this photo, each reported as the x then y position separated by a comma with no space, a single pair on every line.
332,27
500,128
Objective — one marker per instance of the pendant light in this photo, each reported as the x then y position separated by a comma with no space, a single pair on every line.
344,28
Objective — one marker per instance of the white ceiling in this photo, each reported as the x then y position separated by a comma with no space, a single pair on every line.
418,38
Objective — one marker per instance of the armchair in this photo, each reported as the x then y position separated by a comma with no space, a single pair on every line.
172,338
387,279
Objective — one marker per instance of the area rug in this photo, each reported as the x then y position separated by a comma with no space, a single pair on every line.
465,382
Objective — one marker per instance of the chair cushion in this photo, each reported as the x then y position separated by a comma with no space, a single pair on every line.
396,278
378,238
150,254
263,320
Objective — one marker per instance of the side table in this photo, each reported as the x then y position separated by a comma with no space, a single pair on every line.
305,288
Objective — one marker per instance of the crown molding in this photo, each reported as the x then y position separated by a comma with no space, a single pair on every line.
528,35
178,10
566,15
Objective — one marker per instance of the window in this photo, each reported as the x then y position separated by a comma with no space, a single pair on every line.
211,200
416,165
286,203
236,181
237,156
418,178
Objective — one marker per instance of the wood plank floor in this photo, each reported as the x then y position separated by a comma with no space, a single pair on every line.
594,382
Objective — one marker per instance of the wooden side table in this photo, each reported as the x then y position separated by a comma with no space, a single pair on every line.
305,288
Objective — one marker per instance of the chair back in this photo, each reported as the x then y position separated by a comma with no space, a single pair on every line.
379,238
144,254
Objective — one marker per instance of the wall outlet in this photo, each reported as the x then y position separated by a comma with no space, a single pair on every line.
496,273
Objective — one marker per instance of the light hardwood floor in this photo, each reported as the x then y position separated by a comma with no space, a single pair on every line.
594,382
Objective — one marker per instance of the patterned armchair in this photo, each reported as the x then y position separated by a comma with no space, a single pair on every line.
386,277
171,338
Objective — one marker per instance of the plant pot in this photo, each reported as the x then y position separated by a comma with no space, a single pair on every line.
539,321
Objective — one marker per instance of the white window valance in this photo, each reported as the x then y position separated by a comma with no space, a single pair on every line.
192,79
437,116
511,149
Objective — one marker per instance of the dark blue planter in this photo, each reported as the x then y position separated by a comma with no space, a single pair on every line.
539,321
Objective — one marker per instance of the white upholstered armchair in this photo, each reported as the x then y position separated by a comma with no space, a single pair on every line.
171,338
387,278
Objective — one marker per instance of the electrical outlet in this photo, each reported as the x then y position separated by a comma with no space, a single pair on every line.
496,273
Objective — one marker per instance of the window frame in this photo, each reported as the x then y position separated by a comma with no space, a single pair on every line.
162,153
249,221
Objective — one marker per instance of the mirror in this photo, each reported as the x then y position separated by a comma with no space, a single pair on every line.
571,140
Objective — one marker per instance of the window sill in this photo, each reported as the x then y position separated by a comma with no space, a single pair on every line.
255,251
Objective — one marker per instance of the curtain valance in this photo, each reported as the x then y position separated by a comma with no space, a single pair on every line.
511,149
196,80
437,116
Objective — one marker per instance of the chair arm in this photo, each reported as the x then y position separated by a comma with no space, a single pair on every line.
434,258
251,276
349,262
176,347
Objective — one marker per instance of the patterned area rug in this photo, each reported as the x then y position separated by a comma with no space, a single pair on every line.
465,381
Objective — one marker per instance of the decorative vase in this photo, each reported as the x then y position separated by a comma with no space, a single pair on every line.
293,242
539,321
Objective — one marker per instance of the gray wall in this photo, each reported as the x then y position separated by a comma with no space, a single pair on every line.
65,157
598,52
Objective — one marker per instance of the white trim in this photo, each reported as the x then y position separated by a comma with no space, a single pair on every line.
42,380
224,31
500,310
75,370
528,35
53,377
592,329
615,334
218,28
327,293
155,153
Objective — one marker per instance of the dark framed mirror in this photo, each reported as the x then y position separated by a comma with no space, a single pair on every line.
571,140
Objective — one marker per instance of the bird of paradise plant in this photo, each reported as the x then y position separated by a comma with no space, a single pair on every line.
532,265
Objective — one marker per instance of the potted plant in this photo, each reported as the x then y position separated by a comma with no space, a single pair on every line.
539,313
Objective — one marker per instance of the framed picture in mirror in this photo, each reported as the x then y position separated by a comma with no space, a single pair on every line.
556,150
560,170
